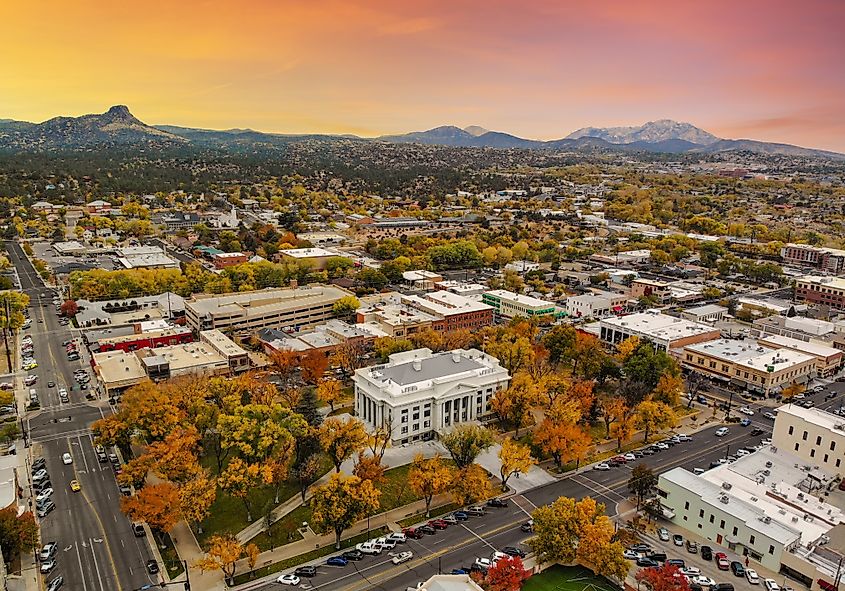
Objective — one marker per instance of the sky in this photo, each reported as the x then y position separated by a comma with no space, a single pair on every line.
771,70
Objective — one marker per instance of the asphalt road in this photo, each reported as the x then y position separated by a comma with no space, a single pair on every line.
97,549
459,545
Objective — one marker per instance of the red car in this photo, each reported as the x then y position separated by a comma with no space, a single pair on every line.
722,560
621,459
438,524
410,532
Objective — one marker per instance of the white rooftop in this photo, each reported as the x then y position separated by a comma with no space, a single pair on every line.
420,275
656,325
706,309
818,417
446,303
305,253
834,282
801,346
749,353
519,298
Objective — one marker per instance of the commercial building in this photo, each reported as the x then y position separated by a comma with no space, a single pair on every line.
707,313
440,311
828,359
315,257
250,311
507,304
664,331
595,305
766,506
214,354
828,291
449,583
177,220
649,288
228,259
324,338
461,288
171,335
522,267
145,257
830,260
421,279
419,393
749,364
815,436
167,305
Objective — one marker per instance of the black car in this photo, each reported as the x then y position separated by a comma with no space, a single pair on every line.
756,431
737,569
707,553
526,527
513,551
426,529
647,562
353,555
497,503
641,548
152,567
306,571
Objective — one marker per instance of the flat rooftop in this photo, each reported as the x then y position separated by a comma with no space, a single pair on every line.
657,325
750,354
815,416
221,342
118,366
256,303
706,309
305,253
446,303
809,348
519,298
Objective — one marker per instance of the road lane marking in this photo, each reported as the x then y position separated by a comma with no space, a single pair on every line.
97,566
479,537
81,570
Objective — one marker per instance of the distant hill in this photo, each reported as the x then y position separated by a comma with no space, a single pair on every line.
651,133
117,127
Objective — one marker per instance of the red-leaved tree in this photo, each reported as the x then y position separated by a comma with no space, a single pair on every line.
665,578
69,308
506,575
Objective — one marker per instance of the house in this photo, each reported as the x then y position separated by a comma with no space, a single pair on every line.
222,260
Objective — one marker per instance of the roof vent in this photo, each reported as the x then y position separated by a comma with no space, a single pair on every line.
724,499
726,485
456,356
417,364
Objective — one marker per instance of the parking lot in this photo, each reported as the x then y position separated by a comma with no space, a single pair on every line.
45,252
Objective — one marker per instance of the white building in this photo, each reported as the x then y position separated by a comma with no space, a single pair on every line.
593,305
145,257
706,313
665,332
508,304
523,266
419,393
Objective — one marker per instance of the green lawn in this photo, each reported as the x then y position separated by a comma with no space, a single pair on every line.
284,531
568,578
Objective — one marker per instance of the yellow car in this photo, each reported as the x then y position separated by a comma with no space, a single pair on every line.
75,486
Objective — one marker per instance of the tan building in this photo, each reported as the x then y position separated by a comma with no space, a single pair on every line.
249,312
665,332
660,290
828,359
749,364
315,257
815,436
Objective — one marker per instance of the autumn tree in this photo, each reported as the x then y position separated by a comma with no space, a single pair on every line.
668,390
563,441
346,306
17,532
789,392
514,350
330,392
429,477
471,484
508,574
340,439
306,472
313,366
378,439
515,458
653,416
223,553
465,442
612,410
570,530
642,482
646,365
69,308
196,496
348,356
626,348
342,501
513,404
240,479
368,468
623,430
157,504
664,578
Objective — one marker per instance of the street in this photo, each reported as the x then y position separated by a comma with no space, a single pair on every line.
97,549
459,545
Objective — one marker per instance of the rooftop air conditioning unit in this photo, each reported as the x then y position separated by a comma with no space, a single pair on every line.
794,519
726,485
766,519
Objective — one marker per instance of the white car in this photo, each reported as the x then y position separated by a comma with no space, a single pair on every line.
67,458
691,571
663,534
766,441
746,411
484,563
631,555
630,457
402,557
399,537
771,585
752,576
603,466
703,581
722,431
44,495
368,548
292,580
683,437
385,543
742,452
661,445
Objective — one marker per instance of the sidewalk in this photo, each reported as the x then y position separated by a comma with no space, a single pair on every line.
389,519
393,457
190,551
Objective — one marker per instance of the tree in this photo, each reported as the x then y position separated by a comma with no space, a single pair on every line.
252,553
239,479
157,504
512,349
653,416
465,442
340,439
223,553
563,441
507,574
345,306
668,390
329,391
664,578
646,365
368,468
559,341
471,484
12,306
306,473
514,458
626,348
312,366
308,406
17,532
789,392
642,482
196,497
429,477
612,409
348,356
69,308
623,430
570,531
341,502
513,404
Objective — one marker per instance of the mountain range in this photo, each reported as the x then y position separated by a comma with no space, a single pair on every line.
117,127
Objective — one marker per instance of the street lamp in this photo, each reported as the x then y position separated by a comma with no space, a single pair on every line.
730,402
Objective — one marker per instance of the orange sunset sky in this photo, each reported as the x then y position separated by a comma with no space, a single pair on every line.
770,70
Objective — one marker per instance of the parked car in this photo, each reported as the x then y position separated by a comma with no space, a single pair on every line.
513,551
59,581
369,548
703,581
646,562
497,503
737,569
353,554
412,533
306,571
692,547
291,580
475,511
722,561
707,553
771,585
438,524
663,534
602,466
152,567
337,561
460,515
67,458
752,576
48,550
398,537
678,540
427,530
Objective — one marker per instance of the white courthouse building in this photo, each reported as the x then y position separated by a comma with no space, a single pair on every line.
419,393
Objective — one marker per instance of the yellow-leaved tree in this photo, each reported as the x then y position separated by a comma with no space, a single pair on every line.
429,477
342,501
340,439
515,458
